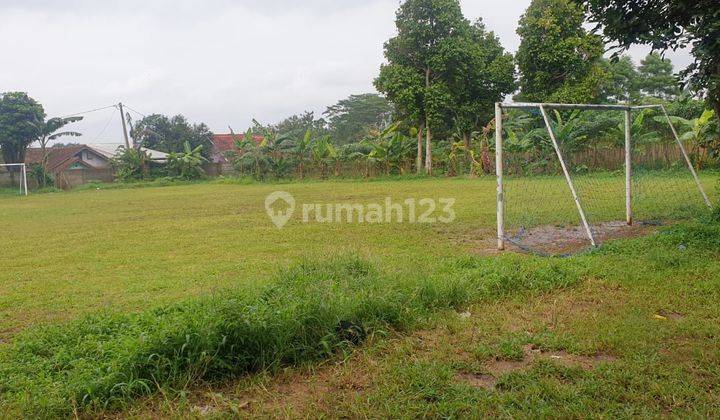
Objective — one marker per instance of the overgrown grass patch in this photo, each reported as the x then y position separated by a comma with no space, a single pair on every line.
103,361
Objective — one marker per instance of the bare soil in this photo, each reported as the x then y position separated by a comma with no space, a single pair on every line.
559,240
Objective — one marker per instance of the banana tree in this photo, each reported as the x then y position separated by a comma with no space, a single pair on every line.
48,131
702,135
187,164
252,154
323,153
301,150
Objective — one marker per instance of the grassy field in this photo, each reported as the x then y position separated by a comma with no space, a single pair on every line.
124,251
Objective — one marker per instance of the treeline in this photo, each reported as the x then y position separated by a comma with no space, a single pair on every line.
442,77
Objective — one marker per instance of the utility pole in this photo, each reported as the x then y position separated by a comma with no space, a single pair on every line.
124,125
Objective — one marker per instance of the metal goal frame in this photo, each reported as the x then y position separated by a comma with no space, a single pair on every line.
543,107
23,170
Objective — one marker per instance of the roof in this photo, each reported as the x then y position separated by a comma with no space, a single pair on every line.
224,143
110,150
59,158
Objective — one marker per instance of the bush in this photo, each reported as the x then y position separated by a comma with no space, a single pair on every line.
131,165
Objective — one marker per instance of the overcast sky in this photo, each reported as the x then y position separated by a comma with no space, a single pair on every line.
222,62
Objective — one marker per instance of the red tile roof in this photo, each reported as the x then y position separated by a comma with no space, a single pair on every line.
59,158
224,143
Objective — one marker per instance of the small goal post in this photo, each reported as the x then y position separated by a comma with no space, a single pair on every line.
23,173
626,144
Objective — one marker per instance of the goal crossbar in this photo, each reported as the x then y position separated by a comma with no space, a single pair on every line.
542,107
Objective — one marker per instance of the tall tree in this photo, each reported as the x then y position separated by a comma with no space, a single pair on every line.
351,119
20,119
657,77
480,73
622,85
667,25
413,78
557,58
169,135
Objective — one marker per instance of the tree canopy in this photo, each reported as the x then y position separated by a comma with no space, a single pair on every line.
169,135
667,25
443,73
20,120
657,77
351,119
559,61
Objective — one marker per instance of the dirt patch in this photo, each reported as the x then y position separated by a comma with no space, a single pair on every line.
674,316
558,240
533,354
476,380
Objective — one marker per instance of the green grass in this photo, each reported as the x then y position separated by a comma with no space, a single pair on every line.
182,283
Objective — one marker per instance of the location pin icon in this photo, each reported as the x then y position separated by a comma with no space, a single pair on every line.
280,206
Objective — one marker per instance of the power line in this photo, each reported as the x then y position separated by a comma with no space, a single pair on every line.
107,124
89,111
135,111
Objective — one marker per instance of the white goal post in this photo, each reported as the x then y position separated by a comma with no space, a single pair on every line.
543,107
23,171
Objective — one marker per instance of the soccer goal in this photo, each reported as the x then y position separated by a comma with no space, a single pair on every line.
570,176
14,176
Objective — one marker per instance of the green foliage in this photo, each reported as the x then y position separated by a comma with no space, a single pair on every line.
351,119
558,60
131,165
623,83
40,175
657,77
20,119
667,25
702,134
103,361
188,164
169,135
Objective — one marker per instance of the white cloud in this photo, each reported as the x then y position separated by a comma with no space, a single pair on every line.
218,61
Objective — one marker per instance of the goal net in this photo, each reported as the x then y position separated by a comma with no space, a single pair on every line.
572,176
13,179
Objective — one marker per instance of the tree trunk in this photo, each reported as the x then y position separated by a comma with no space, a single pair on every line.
428,134
468,157
419,161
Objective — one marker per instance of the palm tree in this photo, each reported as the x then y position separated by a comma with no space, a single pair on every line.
49,131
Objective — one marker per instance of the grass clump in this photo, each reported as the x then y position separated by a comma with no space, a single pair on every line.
104,361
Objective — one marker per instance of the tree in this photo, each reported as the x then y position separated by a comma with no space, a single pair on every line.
413,78
667,25
297,125
622,84
702,135
49,131
657,78
131,164
20,120
557,58
187,165
480,73
351,119
169,135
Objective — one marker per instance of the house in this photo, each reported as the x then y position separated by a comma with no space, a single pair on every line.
75,165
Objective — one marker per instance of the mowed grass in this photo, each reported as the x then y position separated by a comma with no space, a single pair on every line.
399,276
66,254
